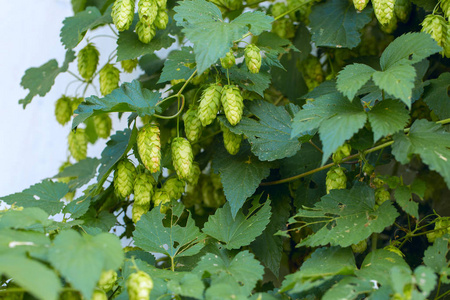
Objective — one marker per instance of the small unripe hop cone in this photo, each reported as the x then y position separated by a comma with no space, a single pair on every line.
402,9
228,61
88,61
233,104
124,178
209,104
252,57
182,157
109,77
107,280
63,110
149,147
137,211
336,179
129,65
122,14
139,285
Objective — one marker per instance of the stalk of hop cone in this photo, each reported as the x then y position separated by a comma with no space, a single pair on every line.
109,79
145,32
182,157
162,18
137,211
129,65
143,189
102,125
78,141
252,57
402,9
88,61
122,14
192,125
436,26
147,10
336,179
139,285
228,61
124,178
360,4
174,188
209,104
107,280
231,140
233,104
149,147
384,10
63,110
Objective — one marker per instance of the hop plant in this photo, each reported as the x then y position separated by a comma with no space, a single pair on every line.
441,222
381,195
145,32
143,189
147,10
228,61
402,9
360,4
278,9
445,5
109,79
384,10
302,8
252,57
161,4
192,125
129,65
88,61
341,152
149,147
63,110
139,285
107,280
336,179
209,104
99,295
182,157
103,125
124,178
233,104
174,188
360,247
161,198
137,211
162,18
78,141
284,28
193,177
122,14
231,140
436,26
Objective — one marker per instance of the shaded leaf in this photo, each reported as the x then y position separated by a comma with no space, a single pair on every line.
257,83
178,65
24,219
189,286
435,257
83,171
437,95
387,117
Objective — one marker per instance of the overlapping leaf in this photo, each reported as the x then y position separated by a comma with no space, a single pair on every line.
178,65
257,83
83,171
437,96
387,117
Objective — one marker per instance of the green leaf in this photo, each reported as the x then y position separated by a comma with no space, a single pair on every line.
177,65
24,219
40,80
199,18
349,216
189,286
45,195
387,117
26,243
130,97
397,81
435,257
33,276
425,279
83,171
437,95
352,78
428,5
337,24
349,288
240,230
257,83
430,141
242,269
251,172
75,27
225,291
403,196
82,258
270,136
78,207
103,220
151,235
408,49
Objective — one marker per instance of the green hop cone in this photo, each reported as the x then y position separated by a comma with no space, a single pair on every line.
384,10
76,102
63,110
139,285
161,198
143,189
228,61
278,9
252,57
174,188
145,32
341,152
149,147
88,61
122,14
193,177
109,79
312,71
391,26
161,4
233,104
78,141
147,10
436,26
65,295
231,140
336,179
102,125
360,247
381,195
129,65
402,9
107,280
441,222
99,295
301,8
162,18
182,157
69,196
360,4
124,178
284,28
192,125
209,104
368,169
445,5
137,211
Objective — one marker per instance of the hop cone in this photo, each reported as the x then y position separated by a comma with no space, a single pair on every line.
303,11
402,9
341,152
381,195
336,179
445,5
194,175
312,71
162,18
182,157
139,285
228,61
160,198
149,147
209,104
137,211
436,26
124,178
129,65
109,79
99,295
192,125
103,125
360,4
231,140
147,10
252,57
161,3
69,196
278,9
284,28
145,32
233,104
122,14
107,280
391,26
87,61
360,247
76,102
63,110
78,141
174,188
143,189
384,10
